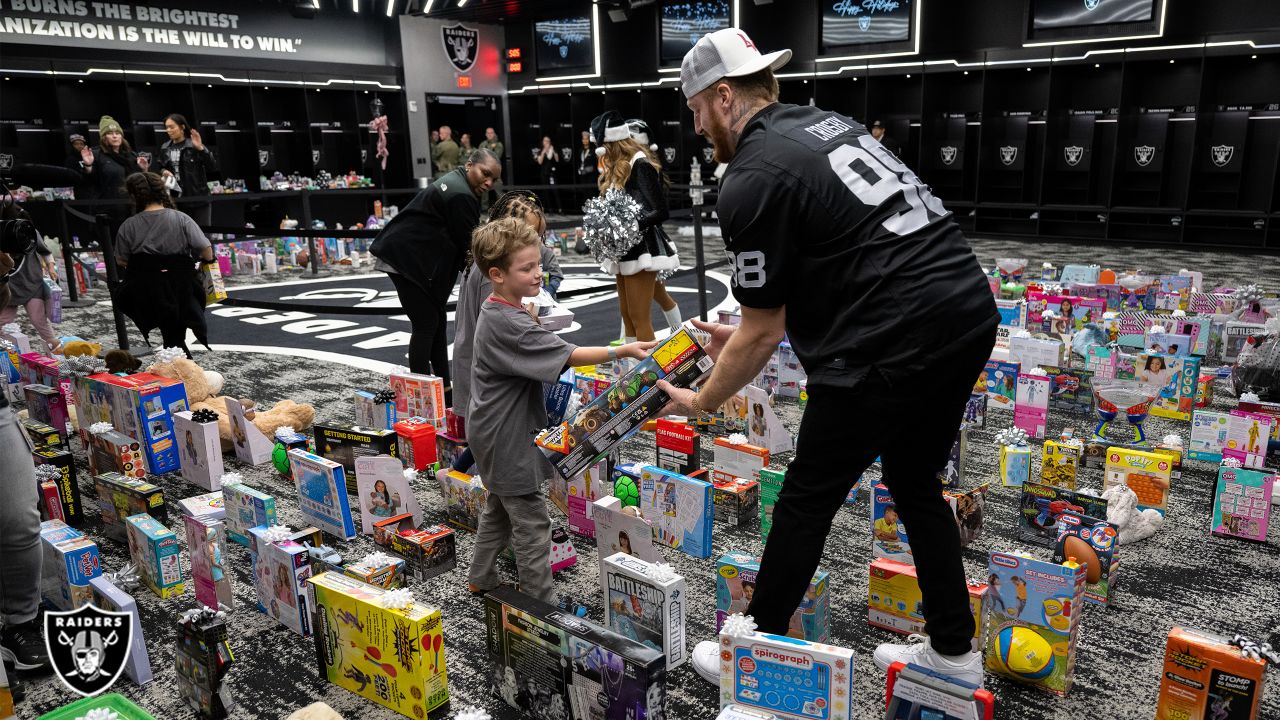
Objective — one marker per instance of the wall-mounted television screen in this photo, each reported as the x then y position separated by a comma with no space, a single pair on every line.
684,22
1055,14
866,22
564,44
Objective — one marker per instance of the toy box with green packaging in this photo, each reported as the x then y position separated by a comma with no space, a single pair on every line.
1033,620
736,583
770,487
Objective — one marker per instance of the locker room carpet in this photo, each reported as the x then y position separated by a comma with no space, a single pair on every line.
1182,575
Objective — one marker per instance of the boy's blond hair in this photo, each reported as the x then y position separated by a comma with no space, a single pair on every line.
497,241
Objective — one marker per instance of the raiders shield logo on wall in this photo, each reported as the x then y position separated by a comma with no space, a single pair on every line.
315,157
1008,154
6,161
948,154
264,157
669,154
1091,4
707,154
864,23
566,153
1222,154
1143,154
1072,154
461,45
88,647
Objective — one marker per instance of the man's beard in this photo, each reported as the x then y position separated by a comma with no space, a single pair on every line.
722,143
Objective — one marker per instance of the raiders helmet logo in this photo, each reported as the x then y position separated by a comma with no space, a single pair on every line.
6,161
1072,154
364,155
1008,154
564,51
315,156
1143,154
461,46
88,647
566,153
1092,4
864,23
669,154
948,154
708,154
264,156
1222,154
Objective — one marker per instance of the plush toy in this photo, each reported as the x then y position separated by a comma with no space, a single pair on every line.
77,348
315,711
202,387
1123,512
122,362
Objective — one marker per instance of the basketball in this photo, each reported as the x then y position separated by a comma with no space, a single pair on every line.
1024,653
624,488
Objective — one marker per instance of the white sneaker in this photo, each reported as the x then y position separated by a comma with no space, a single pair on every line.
966,667
706,660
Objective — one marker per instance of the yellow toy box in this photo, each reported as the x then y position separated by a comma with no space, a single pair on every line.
1060,463
392,656
893,599
1148,474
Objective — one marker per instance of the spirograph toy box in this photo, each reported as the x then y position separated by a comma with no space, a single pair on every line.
1206,678
1148,474
736,583
644,604
392,656
894,600
606,421
155,549
549,663
680,508
1040,597
793,679
246,508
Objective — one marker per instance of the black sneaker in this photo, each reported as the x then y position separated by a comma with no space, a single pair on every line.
16,688
22,646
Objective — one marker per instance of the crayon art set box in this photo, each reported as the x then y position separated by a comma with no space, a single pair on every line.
547,662
392,656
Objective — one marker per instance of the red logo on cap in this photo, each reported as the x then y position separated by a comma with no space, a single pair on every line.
747,41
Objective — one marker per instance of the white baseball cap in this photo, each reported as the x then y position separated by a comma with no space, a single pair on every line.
724,53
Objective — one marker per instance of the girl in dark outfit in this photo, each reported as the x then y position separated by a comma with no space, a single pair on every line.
158,248
634,168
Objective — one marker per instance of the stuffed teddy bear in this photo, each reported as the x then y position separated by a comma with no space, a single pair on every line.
202,392
77,347
1123,512
122,362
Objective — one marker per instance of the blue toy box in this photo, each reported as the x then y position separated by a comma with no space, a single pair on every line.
680,508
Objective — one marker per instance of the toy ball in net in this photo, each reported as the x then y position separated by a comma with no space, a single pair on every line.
280,458
1024,653
624,488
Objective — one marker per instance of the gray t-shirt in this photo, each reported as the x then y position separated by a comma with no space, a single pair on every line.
471,294
514,357
160,232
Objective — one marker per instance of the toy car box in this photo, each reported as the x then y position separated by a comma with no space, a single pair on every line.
154,549
68,489
646,603
119,497
1041,507
894,600
607,420
1100,539
322,493
1205,677
70,562
735,585
1033,620
109,597
392,656
793,679
546,662
680,508
344,443
247,508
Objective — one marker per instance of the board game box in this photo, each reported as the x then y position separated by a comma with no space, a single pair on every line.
646,603
1242,503
793,679
549,663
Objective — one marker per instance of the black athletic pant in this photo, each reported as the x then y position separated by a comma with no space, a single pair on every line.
911,426
428,346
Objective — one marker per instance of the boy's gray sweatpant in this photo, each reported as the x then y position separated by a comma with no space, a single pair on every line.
521,521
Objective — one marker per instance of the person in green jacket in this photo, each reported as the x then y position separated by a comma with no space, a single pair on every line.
445,154
493,145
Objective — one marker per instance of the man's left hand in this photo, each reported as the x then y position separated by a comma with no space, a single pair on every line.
681,400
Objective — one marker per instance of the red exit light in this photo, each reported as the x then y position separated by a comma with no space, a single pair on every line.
464,81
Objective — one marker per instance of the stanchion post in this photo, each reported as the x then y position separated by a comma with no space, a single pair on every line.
68,257
306,224
113,276
699,258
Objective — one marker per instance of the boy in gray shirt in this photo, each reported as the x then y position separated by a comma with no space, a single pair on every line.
514,356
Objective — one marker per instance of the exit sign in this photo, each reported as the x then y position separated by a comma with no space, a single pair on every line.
464,81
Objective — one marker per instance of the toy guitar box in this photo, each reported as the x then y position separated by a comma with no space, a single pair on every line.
646,603
606,421
1033,620
394,656
1206,677
1041,508
547,662
680,508
793,679
736,584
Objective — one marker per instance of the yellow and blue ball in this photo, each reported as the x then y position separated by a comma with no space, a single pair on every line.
1024,653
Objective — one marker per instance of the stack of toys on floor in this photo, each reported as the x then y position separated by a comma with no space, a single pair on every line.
1080,341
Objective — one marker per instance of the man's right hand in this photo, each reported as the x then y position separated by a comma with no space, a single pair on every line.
720,335
86,155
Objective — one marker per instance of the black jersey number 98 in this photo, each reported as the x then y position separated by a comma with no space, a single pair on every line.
874,175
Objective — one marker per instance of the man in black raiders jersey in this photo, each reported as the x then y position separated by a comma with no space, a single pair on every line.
833,241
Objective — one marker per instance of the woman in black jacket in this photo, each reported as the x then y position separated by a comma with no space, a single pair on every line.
634,168
112,161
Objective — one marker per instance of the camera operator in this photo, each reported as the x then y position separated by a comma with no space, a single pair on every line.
28,289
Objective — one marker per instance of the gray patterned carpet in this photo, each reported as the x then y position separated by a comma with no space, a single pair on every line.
1183,575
